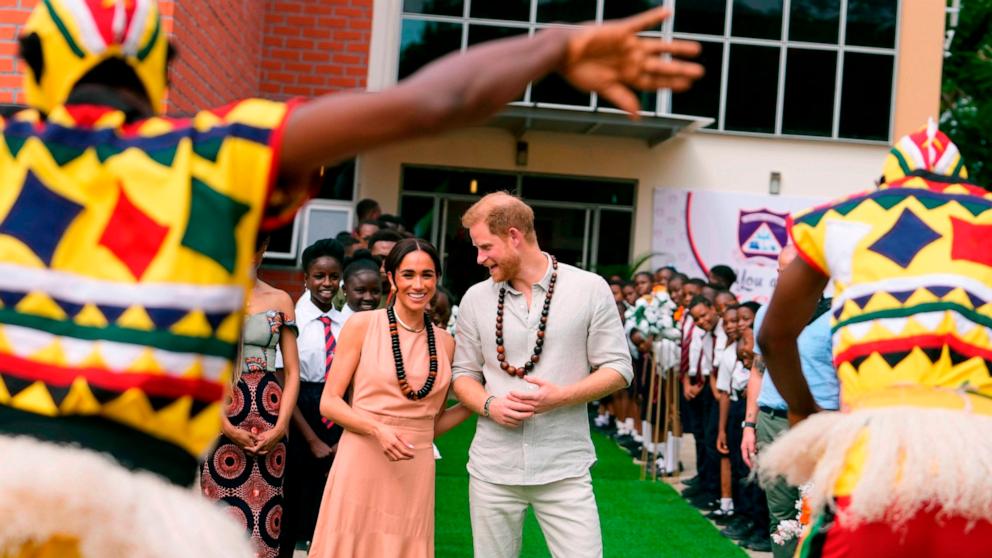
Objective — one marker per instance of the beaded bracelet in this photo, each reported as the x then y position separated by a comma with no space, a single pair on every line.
485,408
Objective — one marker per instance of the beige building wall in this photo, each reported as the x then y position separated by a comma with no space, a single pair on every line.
701,160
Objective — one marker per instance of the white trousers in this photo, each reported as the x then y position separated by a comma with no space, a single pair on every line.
566,511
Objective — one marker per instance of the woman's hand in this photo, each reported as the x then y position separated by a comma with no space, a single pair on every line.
241,438
265,441
394,446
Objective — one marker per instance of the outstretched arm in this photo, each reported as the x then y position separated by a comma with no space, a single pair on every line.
799,288
465,89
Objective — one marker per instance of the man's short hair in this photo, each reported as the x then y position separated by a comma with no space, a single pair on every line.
501,212
668,267
385,235
696,281
365,207
681,276
364,222
725,273
700,299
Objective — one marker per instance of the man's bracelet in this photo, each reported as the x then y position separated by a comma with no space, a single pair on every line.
485,408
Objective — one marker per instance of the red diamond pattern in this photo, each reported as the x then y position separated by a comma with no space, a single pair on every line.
133,236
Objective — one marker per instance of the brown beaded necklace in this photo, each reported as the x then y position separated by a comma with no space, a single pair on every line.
394,334
535,357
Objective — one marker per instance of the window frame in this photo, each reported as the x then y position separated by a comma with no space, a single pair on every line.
387,30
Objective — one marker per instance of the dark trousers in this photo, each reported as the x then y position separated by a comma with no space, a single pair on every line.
305,474
749,498
711,427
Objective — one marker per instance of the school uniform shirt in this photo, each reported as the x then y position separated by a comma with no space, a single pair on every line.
731,377
311,342
701,345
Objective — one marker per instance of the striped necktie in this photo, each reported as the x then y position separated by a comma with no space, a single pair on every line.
330,343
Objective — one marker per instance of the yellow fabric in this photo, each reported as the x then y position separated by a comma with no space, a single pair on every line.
182,180
72,45
56,547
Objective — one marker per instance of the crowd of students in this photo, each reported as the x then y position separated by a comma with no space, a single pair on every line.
714,341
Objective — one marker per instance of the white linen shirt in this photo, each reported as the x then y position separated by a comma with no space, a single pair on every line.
583,334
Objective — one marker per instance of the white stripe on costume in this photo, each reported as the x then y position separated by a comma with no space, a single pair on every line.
139,22
88,31
81,289
26,342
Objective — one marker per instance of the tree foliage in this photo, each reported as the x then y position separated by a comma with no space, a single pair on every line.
966,102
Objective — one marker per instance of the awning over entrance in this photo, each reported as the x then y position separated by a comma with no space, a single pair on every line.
652,129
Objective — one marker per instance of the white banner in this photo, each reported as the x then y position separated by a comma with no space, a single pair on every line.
695,230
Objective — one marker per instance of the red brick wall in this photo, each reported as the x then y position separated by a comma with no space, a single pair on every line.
289,280
314,47
13,14
220,52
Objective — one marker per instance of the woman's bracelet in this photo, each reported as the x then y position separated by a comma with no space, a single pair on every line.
485,408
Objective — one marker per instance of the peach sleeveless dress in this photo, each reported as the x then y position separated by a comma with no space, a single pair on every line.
374,507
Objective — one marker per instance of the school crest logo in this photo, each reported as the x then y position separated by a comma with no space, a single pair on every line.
762,233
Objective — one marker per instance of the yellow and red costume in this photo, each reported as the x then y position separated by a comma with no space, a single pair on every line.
125,257
911,267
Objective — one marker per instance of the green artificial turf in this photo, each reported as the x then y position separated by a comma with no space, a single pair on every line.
638,518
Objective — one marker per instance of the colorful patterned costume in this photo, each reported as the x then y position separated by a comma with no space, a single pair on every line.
125,251
912,319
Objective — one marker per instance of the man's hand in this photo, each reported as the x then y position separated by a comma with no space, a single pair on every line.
748,447
509,413
545,397
610,59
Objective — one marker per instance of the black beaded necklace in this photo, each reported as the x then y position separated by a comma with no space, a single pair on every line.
398,357
535,357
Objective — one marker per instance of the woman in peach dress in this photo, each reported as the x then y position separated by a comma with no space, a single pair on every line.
379,498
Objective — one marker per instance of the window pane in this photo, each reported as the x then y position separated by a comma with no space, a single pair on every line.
455,181
752,88
569,11
554,89
338,182
482,33
700,16
757,18
647,99
424,41
704,97
513,10
281,240
814,21
438,7
561,231
614,9
866,96
614,239
418,214
809,92
871,23
578,190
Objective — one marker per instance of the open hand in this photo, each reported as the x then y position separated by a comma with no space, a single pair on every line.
546,397
393,445
510,413
610,59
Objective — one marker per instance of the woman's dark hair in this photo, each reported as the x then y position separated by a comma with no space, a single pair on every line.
327,247
751,305
407,245
363,260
